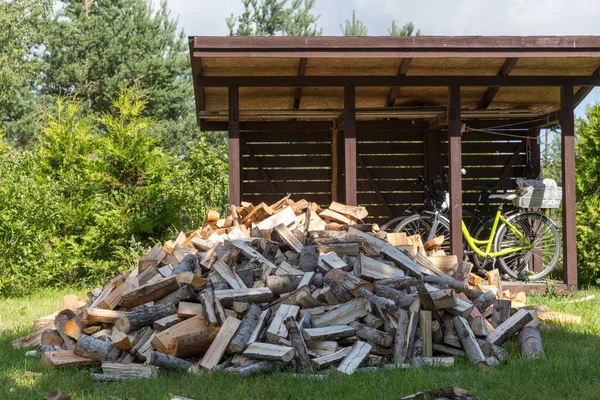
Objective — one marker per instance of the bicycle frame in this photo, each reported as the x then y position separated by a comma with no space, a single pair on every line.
474,243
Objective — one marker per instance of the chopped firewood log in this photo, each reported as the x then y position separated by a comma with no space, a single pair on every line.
530,343
510,327
257,367
217,348
556,316
433,361
334,332
426,334
280,284
258,213
342,315
52,337
400,345
451,351
381,302
229,275
282,234
284,217
99,350
152,258
121,341
166,322
500,312
332,261
350,363
356,212
370,269
372,321
165,341
434,243
467,338
322,347
97,315
397,239
189,278
150,292
43,321
137,370
335,217
144,316
269,351
478,323
348,280
66,359
450,334
166,361
331,359
372,335
194,344
247,327
277,329
60,323
298,344
461,271
458,286
443,298
252,295
188,310
484,301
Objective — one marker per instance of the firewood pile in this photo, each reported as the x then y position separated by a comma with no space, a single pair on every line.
288,286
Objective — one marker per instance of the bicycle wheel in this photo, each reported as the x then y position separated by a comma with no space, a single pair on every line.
529,264
391,224
426,226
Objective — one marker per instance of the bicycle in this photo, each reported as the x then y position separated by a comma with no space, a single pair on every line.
520,240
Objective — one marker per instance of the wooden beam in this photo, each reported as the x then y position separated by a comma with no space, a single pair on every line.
491,92
584,91
439,81
258,165
235,155
298,91
455,165
373,184
350,144
395,90
439,121
567,124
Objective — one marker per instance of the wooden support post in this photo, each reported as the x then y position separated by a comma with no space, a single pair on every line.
568,182
455,165
235,157
334,162
350,143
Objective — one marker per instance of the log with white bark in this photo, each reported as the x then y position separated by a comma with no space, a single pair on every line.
247,326
185,292
301,353
277,329
372,335
90,347
530,343
333,332
444,298
401,333
144,316
280,284
381,302
331,359
342,315
510,327
150,292
450,335
255,368
451,351
469,342
349,281
168,362
166,322
252,295
500,312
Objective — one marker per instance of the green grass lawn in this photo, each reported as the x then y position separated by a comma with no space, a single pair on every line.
571,371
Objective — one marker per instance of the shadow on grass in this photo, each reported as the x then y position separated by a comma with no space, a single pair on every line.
571,371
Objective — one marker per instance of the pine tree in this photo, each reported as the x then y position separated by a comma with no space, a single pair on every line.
96,48
407,30
354,27
273,17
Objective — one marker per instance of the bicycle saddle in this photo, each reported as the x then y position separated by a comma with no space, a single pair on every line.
503,196
490,188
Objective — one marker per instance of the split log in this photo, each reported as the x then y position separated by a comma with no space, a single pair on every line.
484,301
66,359
469,342
370,269
253,295
342,315
400,352
444,298
280,284
99,350
136,370
372,321
437,334
150,292
166,322
351,362
530,343
208,302
247,326
434,243
381,302
510,327
331,261
450,334
298,344
144,316
426,335
499,353
121,341
75,326
459,286
258,367
277,329
60,323
500,312
97,316
287,237
165,341
217,348
114,298
193,344
52,337
372,335
229,275
331,359
349,281
168,362
190,278
271,352
356,212
334,332
322,347
486,347
188,310
260,328
451,351
185,292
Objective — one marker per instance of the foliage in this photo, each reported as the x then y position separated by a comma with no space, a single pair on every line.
23,24
407,30
80,204
272,17
588,197
551,159
354,27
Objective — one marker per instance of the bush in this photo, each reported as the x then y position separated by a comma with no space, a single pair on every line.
92,193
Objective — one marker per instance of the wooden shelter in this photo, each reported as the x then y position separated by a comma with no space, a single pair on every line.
357,119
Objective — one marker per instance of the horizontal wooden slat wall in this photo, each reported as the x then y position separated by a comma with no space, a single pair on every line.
297,163
393,160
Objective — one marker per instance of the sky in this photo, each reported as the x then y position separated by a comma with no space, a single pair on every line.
432,17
